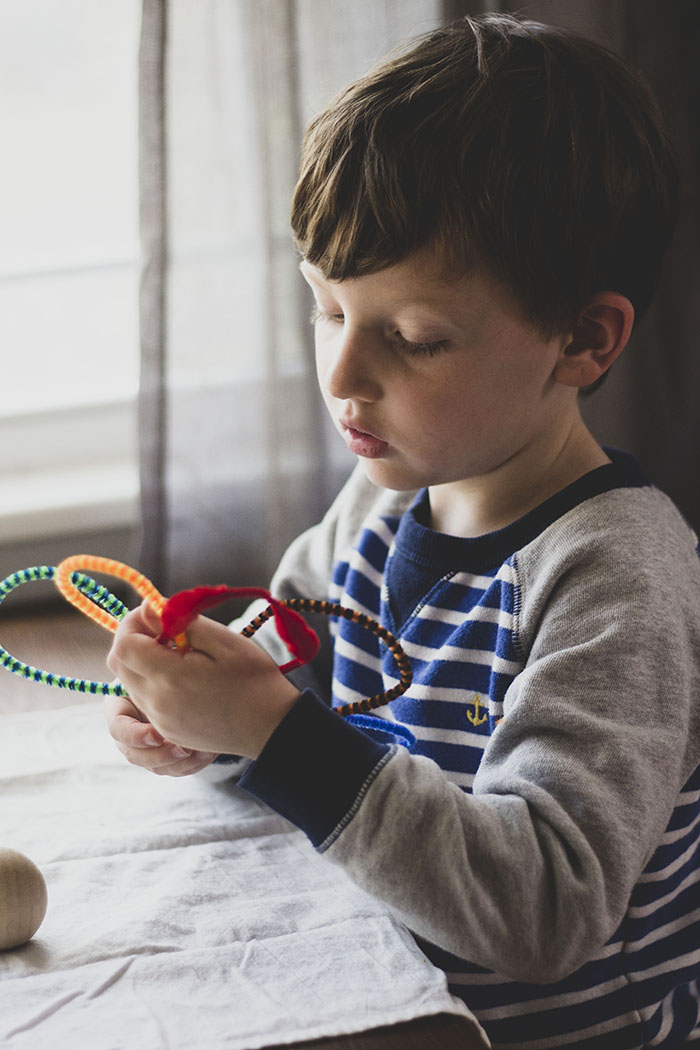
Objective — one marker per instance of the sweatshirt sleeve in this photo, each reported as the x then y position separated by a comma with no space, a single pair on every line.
532,873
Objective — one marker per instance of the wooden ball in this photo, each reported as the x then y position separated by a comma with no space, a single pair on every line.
23,899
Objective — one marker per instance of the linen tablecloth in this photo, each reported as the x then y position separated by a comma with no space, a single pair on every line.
183,914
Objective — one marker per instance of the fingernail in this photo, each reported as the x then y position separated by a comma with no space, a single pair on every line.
152,740
180,752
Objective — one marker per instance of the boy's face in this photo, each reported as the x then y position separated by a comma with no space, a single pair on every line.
433,379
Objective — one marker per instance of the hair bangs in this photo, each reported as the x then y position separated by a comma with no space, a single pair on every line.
359,209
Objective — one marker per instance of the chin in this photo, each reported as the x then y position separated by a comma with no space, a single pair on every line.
389,475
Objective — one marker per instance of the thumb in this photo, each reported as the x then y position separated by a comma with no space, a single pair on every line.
151,619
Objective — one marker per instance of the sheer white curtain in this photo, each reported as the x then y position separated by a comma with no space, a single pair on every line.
237,457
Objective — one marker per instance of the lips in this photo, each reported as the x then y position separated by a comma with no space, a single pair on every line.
362,442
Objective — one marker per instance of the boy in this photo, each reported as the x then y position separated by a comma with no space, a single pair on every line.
481,221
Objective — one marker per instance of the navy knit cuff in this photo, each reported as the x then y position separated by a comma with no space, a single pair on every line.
313,767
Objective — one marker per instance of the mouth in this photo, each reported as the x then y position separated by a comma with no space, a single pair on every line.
362,442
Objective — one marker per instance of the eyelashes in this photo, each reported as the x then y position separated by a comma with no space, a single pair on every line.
426,349
318,315
415,349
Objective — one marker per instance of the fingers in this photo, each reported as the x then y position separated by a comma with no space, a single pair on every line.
191,697
142,745
127,727
135,655
134,645
161,761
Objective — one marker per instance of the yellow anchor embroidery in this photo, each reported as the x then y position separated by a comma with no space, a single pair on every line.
477,719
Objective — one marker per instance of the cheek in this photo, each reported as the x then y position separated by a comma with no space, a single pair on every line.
321,371
515,380
490,400
324,360
445,418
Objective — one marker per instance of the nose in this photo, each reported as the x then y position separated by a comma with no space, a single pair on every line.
350,362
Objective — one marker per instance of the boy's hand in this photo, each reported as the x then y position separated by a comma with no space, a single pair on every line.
224,695
142,745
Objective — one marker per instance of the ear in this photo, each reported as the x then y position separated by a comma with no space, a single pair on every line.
600,335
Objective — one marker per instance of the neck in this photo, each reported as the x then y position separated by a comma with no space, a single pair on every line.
475,506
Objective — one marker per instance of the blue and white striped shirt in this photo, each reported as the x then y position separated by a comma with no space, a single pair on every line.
470,615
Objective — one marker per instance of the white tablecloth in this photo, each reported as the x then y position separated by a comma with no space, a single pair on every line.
182,914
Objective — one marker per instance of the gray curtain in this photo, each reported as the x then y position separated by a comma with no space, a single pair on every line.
236,453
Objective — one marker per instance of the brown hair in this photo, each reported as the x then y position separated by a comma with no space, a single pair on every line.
504,143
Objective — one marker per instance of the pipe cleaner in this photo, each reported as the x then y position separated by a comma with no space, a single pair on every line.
178,612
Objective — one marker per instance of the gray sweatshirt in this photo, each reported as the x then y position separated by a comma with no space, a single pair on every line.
541,837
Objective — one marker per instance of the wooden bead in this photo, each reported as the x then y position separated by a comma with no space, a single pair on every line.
23,899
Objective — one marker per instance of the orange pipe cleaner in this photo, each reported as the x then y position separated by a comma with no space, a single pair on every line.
178,612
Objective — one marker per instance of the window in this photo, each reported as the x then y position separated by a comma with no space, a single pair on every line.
68,266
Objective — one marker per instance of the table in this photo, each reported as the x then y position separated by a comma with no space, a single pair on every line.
184,913
441,1032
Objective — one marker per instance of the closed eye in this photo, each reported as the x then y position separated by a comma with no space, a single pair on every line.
406,346
426,349
319,315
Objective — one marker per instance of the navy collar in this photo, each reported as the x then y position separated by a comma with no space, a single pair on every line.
426,548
